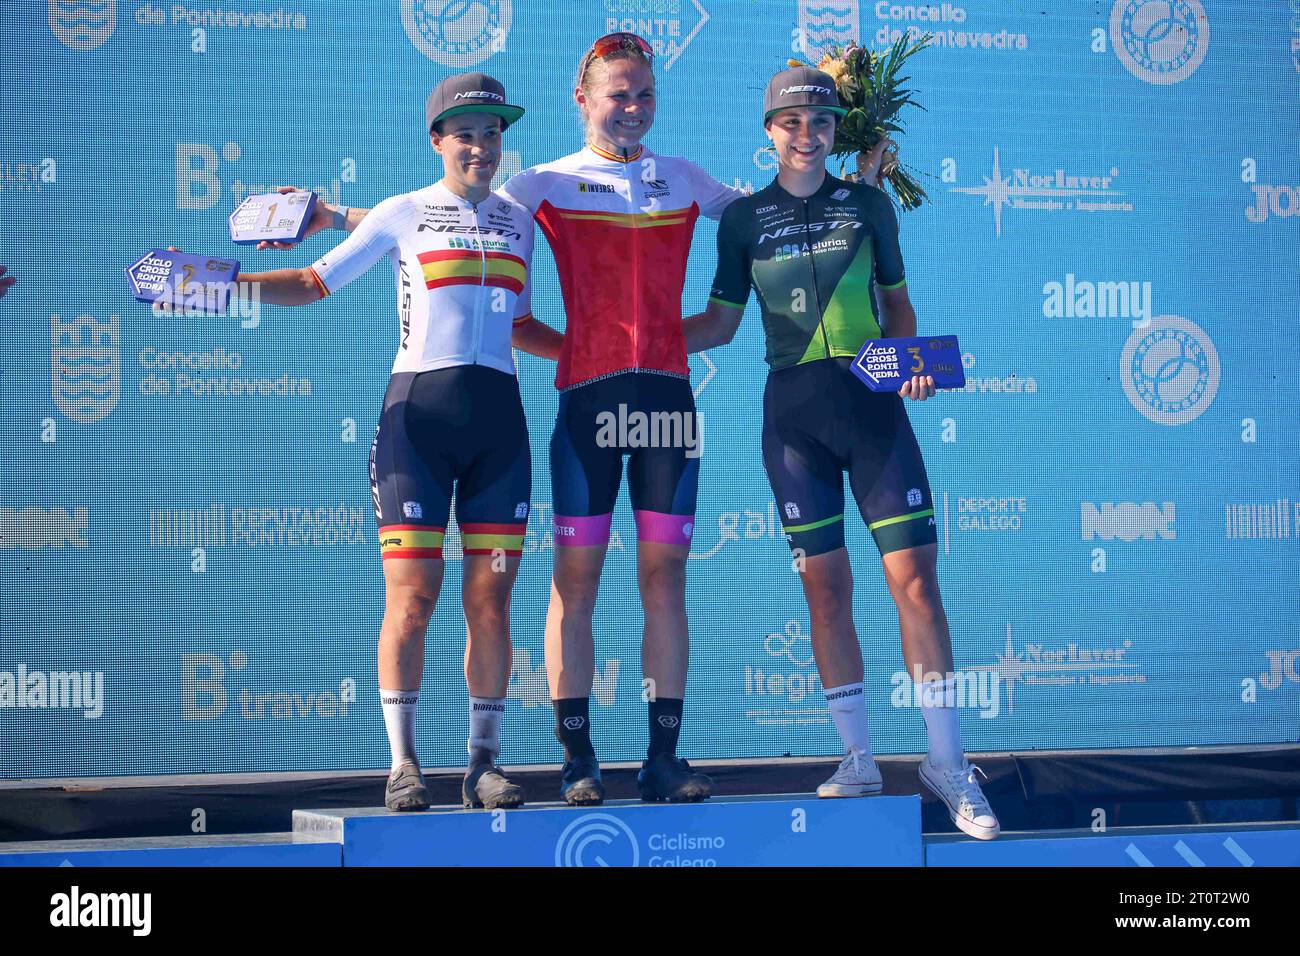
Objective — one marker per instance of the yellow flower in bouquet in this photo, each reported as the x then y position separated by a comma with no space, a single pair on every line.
869,87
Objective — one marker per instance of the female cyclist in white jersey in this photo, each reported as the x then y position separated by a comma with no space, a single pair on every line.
452,418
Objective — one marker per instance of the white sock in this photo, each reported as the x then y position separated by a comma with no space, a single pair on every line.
939,707
849,709
399,720
485,726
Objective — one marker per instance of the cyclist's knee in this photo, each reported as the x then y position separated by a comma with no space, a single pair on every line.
916,593
662,573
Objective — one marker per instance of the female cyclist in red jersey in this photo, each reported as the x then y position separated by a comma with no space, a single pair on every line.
619,220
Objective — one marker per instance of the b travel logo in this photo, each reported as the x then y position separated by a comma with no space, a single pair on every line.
457,33
1170,370
1052,191
213,687
1160,41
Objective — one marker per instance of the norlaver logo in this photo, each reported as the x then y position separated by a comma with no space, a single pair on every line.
56,690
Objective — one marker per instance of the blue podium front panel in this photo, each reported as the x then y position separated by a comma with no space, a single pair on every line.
260,849
725,831
1252,845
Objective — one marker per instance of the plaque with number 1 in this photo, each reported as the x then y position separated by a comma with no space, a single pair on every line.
272,217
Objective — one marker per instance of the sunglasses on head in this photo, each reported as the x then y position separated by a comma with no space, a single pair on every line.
611,42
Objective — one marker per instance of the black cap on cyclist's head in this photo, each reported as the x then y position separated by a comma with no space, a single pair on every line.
469,93
801,86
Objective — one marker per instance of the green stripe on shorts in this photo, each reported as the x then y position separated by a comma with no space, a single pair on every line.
795,529
895,520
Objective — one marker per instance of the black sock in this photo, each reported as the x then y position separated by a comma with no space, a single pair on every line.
665,725
573,726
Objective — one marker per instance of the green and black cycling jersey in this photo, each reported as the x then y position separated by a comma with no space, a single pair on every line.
813,262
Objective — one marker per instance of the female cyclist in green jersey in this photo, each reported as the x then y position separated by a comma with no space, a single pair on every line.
818,250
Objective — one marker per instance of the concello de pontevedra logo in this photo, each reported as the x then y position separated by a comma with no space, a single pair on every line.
85,367
82,24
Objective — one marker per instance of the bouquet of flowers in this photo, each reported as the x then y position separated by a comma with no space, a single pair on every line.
870,88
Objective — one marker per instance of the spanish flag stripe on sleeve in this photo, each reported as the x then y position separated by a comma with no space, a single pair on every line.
319,283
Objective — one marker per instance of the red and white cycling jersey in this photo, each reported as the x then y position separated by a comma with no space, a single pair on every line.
620,230
461,270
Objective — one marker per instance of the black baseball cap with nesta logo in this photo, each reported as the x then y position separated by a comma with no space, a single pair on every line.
801,86
469,93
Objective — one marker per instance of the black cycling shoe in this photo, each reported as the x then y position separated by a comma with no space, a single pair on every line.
580,783
406,790
486,786
665,777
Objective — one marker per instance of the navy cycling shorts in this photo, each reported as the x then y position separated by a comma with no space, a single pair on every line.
820,421
461,430
649,418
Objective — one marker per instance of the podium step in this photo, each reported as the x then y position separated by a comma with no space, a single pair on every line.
775,830
1224,845
256,849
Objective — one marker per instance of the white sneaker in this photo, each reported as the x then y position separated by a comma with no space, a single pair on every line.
857,776
959,790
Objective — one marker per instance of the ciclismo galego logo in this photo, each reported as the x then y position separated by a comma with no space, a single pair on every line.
457,33
1159,41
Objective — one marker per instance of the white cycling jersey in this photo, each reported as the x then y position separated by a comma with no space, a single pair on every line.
461,270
